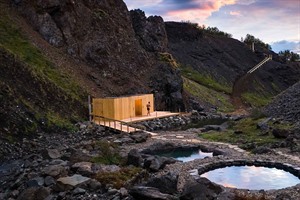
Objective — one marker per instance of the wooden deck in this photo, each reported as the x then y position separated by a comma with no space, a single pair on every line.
153,115
120,126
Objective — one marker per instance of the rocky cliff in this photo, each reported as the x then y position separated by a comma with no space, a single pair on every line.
93,42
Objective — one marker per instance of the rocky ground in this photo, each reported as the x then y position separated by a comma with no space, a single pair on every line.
61,166
286,105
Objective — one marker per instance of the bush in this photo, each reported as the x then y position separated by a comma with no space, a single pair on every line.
118,179
108,154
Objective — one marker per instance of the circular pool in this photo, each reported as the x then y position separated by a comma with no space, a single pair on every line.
252,177
187,154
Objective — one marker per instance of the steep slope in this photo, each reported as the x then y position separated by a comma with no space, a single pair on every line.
61,51
218,62
286,105
100,34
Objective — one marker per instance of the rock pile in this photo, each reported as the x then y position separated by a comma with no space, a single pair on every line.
182,121
286,106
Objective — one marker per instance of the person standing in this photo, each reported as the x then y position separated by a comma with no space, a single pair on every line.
148,108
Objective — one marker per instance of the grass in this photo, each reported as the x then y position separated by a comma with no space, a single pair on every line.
42,70
250,134
12,40
167,57
205,94
256,100
205,80
118,179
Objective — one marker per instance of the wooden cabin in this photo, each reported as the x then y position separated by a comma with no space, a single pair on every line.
122,107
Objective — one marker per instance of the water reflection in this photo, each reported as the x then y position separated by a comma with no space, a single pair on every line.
251,177
187,155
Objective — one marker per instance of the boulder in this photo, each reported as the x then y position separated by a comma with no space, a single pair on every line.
155,163
165,184
70,182
200,189
84,168
281,133
140,137
51,154
212,128
135,158
149,193
54,170
101,168
263,125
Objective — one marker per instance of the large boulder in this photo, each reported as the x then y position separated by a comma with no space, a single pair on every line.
135,158
70,182
165,184
281,133
200,189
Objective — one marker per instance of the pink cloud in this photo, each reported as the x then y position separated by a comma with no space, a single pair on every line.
199,13
235,13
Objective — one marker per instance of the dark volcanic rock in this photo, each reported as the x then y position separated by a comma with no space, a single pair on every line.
281,133
201,189
166,183
135,158
149,193
286,106
150,31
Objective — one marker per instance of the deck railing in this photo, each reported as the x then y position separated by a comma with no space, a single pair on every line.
114,123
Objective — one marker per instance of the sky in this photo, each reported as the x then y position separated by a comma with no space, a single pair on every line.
276,22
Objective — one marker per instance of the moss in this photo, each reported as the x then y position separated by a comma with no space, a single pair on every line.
118,179
205,94
167,57
249,134
100,14
108,154
41,70
205,80
255,99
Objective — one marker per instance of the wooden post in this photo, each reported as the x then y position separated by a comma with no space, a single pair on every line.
90,108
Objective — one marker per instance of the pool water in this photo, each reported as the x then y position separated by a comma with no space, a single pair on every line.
186,155
252,177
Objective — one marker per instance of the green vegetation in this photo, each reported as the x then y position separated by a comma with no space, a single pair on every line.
217,99
206,80
250,38
214,31
288,55
256,100
167,57
119,178
12,40
243,133
100,14
42,71
108,154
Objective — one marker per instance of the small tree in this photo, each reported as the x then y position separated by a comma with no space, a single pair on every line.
289,55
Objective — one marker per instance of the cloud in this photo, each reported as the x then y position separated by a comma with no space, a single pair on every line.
286,45
269,20
235,13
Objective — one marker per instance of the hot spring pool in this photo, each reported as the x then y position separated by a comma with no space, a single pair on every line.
186,155
252,177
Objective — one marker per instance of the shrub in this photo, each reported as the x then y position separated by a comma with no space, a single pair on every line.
118,179
108,154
